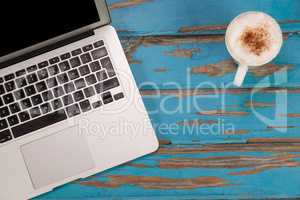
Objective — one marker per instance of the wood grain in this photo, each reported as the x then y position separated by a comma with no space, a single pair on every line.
229,66
183,53
127,3
222,113
255,164
196,92
252,104
150,182
275,147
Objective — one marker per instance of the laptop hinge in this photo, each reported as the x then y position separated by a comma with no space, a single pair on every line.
46,49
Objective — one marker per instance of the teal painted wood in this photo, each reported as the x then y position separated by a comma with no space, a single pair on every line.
168,50
177,63
242,171
157,17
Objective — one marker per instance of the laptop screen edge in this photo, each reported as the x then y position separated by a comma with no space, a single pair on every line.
105,19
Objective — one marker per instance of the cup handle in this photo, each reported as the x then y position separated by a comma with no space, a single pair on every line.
240,75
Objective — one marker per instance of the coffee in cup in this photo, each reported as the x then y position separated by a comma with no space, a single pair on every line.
252,39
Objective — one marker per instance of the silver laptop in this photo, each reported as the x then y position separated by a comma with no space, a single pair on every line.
69,106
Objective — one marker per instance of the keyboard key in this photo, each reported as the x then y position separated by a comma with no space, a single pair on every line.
35,112
14,108
76,52
97,104
65,56
21,82
95,66
87,48
59,91
68,99
36,100
107,85
39,123
80,83
1,102
31,68
78,96
52,82
25,103
106,63
24,116
64,66
85,105
73,74
85,58
8,98
31,78
84,70
99,53
41,86
98,44
54,60
107,98
119,96
53,70
13,120
2,91
21,72
89,92
43,64
47,96
62,78
1,80
91,79
5,136
56,104
75,62
46,108
19,94
9,86
42,74
73,110
3,124
69,87
9,77
4,112
101,75
30,90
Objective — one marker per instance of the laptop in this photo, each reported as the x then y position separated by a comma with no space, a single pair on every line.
69,105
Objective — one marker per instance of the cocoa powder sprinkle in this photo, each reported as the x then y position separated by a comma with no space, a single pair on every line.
256,40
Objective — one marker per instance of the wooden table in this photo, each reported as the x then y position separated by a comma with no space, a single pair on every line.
217,141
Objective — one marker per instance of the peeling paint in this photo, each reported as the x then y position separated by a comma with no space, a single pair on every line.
128,3
155,182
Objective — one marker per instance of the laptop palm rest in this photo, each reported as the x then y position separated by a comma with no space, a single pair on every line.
57,157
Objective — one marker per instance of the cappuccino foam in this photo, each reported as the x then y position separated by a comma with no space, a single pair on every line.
253,38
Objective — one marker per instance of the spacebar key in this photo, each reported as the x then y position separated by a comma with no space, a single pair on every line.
39,123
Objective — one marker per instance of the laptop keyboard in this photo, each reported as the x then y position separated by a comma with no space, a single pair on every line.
55,90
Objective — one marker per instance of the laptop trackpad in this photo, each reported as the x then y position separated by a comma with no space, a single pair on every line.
57,157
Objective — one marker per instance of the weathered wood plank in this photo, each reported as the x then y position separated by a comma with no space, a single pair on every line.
157,17
196,61
246,170
224,115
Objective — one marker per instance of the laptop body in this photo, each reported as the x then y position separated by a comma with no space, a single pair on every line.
69,105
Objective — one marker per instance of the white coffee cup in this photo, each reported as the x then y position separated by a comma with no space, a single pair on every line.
252,39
